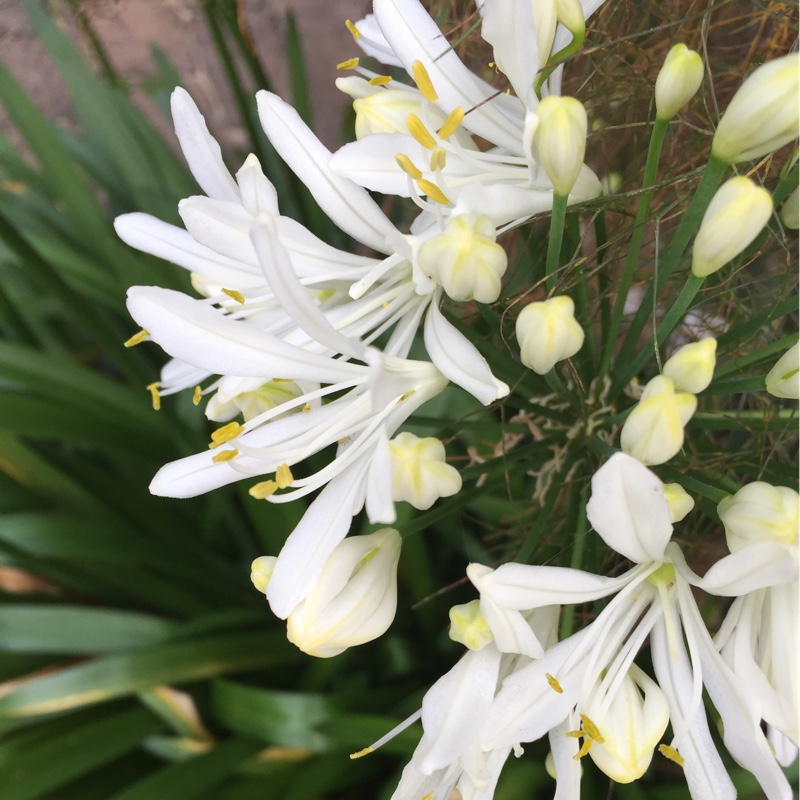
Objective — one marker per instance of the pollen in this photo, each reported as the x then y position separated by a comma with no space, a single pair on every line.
225,455
352,28
553,683
671,753
351,63
407,165
225,434
424,82
438,158
153,389
361,753
591,729
451,124
232,293
137,338
263,490
380,80
283,476
416,127
198,394
433,192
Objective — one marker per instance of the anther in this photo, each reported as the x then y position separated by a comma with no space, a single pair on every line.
433,192
554,684
263,490
671,753
225,434
407,165
283,476
417,129
591,729
232,293
450,125
380,80
225,455
351,63
137,338
423,81
361,753
197,396
585,748
352,28
153,389
438,158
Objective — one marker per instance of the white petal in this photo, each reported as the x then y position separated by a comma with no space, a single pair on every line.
347,204
201,149
373,42
379,503
222,226
568,768
370,162
628,509
459,360
255,190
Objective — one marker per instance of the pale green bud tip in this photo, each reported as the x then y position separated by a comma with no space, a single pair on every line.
547,332
763,114
735,216
261,571
420,475
760,512
678,81
570,14
468,626
783,380
678,501
692,367
560,139
790,210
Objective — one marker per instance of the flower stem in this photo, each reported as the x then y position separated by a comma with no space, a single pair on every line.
554,240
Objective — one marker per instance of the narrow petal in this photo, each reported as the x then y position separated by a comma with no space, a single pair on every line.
370,162
568,768
224,227
255,190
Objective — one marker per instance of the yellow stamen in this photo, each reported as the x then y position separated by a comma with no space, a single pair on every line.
305,409
283,476
361,753
153,389
198,394
671,753
433,192
137,338
237,296
351,63
585,748
380,80
450,125
352,28
225,434
225,455
416,127
345,440
430,796
407,165
438,158
591,729
554,684
263,490
575,734
424,82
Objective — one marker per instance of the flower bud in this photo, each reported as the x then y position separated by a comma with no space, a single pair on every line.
354,599
790,210
560,139
763,114
249,397
261,571
678,500
692,367
420,475
548,332
734,217
653,431
678,81
783,380
630,725
760,512
465,259
571,15
469,627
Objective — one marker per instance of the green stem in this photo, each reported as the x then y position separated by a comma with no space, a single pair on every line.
575,562
555,60
554,240
639,228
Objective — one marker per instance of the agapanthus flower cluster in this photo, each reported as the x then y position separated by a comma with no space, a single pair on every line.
298,348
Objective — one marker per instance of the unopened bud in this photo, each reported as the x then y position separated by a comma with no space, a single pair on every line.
692,367
547,332
678,81
420,475
678,500
468,626
560,139
783,380
760,512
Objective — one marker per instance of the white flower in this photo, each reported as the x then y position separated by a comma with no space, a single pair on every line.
783,380
547,332
691,368
678,81
420,475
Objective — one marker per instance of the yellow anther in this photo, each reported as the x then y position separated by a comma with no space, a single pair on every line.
407,165
585,748
352,28
380,80
351,63
283,476
591,729
575,734
438,158
345,440
424,82
197,396
433,192
225,455
263,490
671,753
237,296
153,389
305,409
137,338
361,753
416,127
225,434
450,125
554,684
429,796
